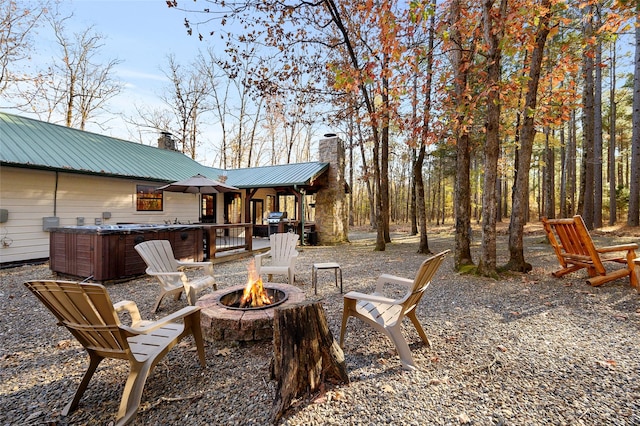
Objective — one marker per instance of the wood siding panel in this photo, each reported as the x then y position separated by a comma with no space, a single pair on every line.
29,195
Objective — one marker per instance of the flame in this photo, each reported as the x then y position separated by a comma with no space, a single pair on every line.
254,294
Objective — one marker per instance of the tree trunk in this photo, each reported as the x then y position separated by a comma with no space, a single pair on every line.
613,205
305,355
521,185
588,126
633,218
549,178
462,186
417,171
563,173
423,247
493,30
597,130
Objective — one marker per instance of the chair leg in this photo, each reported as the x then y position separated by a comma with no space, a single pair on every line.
343,329
191,294
634,270
132,393
414,319
346,310
402,347
94,361
192,323
157,304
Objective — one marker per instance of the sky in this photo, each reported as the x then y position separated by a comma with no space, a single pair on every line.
139,33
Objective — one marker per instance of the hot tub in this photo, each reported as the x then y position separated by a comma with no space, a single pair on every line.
106,252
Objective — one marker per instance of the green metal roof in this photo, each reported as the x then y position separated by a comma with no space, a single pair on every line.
296,174
26,142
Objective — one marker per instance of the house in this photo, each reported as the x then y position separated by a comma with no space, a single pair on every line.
54,176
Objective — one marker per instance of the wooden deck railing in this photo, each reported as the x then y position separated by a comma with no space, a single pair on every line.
221,238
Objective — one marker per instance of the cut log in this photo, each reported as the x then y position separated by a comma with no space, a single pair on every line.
305,354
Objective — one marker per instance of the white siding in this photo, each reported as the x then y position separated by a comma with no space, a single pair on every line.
29,195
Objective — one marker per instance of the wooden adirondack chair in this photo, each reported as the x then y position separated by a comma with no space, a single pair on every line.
386,314
87,312
283,255
162,264
575,250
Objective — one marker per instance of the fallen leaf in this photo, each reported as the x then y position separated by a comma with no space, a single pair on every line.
63,344
224,352
502,348
338,395
609,363
621,317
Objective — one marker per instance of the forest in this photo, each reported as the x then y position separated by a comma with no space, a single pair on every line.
452,111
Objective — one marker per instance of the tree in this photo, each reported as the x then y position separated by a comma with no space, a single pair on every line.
187,100
18,23
75,86
493,21
527,133
462,53
633,218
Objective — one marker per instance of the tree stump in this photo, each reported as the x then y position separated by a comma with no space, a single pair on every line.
305,354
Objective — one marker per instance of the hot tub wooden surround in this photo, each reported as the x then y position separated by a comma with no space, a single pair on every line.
106,252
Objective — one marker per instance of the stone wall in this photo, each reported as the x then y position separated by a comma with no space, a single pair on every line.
332,209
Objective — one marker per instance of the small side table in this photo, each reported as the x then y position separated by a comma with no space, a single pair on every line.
327,265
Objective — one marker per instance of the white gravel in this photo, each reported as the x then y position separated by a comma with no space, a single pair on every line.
525,350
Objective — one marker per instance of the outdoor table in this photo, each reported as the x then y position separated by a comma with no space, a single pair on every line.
326,265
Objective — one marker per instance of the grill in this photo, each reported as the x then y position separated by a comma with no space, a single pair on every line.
274,220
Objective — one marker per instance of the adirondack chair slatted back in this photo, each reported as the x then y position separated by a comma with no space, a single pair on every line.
283,247
575,249
87,312
158,255
425,274
569,236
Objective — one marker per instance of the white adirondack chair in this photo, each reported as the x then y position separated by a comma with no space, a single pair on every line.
87,312
281,259
386,314
162,264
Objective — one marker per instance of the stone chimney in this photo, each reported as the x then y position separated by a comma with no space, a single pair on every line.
166,141
332,209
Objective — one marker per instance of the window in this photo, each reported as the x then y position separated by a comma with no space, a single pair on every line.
148,199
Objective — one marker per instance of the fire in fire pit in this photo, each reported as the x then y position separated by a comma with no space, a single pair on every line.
254,295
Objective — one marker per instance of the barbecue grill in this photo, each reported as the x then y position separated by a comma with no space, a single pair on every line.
274,220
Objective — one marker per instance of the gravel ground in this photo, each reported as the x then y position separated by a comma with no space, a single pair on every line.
525,350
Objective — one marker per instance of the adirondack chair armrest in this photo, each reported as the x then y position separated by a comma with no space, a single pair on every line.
375,298
392,279
261,256
619,247
146,327
168,274
207,266
292,259
130,307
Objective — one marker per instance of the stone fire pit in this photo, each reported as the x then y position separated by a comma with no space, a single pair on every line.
220,322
